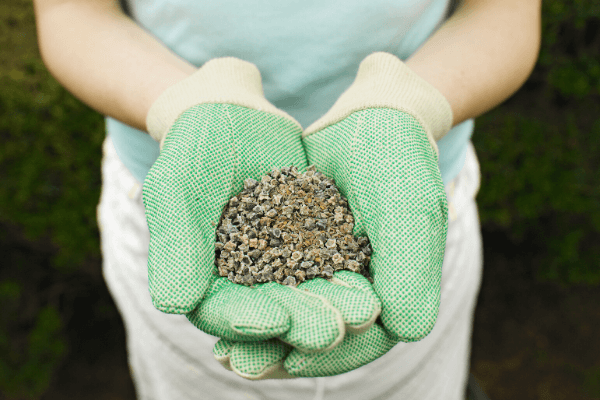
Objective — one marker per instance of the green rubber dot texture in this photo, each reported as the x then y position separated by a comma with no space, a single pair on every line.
383,163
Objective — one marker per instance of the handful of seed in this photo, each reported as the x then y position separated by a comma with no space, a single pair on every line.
288,227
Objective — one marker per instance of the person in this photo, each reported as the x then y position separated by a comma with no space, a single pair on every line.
166,68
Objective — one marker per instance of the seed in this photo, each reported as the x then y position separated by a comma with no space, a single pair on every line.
337,258
300,275
297,255
255,254
244,247
321,223
327,272
250,183
278,275
288,227
277,263
353,266
290,281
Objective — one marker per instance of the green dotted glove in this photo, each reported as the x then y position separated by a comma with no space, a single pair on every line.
350,293
216,129
378,144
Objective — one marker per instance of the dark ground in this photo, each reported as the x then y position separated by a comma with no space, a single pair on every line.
530,341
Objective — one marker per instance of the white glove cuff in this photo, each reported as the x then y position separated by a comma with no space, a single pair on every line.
384,81
225,80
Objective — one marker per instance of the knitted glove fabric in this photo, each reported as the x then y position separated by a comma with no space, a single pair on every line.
349,292
216,129
378,144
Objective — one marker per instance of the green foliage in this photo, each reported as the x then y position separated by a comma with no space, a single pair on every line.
570,53
31,341
49,163
49,169
540,152
25,371
540,186
592,382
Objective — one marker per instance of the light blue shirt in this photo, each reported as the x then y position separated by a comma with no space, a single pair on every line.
308,52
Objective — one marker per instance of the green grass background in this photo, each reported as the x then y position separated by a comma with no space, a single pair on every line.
539,155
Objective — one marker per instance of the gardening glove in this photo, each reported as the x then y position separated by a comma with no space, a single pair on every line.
378,142
351,293
216,130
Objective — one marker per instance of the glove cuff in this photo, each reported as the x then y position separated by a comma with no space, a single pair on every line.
384,81
226,80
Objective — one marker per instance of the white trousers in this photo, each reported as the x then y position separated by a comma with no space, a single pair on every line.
170,359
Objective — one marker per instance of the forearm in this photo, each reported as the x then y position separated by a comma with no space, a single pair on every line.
482,54
104,58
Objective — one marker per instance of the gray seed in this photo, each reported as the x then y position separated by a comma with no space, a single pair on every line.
289,281
288,225
278,275
337,258
244,247
353,266
277,252
248,280
255,254
250,183
277,263
310,224
300,275
262,244
330,244
229,246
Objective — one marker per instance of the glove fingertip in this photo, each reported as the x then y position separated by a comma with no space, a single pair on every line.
222,352
168,308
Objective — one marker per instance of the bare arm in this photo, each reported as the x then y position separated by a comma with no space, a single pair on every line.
482,54
104,58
